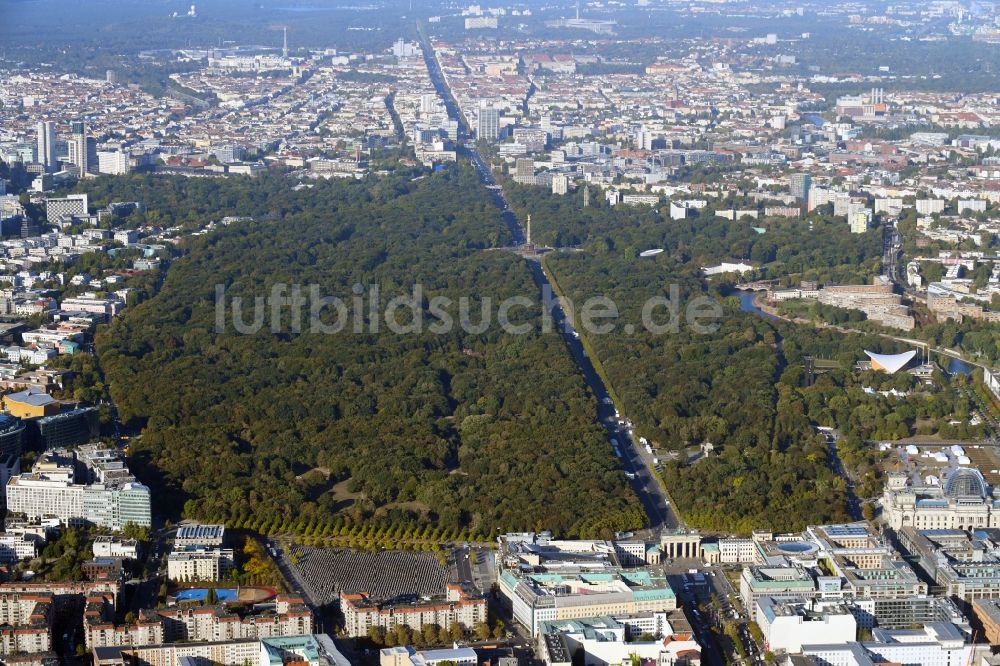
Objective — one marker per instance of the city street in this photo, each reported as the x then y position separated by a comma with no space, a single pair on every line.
475,565
240,246
636,461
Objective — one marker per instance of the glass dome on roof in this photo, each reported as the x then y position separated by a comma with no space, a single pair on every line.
965,482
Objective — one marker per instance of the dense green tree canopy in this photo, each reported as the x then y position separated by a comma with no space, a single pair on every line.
742,386
484,431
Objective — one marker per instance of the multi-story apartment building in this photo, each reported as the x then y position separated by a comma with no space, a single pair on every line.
303,650
25,622
57,488
101,631
291,617
113,162
74,205
799,185
109,546
488,121
930,206
560,183
361,613
889,206
782,211
533,139
90,302
199,563
947,306
18,608
83,153
29,640
46,132
226,653
16,547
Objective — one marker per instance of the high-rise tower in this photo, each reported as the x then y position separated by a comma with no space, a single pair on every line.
799,185
488,122
82,149
47,145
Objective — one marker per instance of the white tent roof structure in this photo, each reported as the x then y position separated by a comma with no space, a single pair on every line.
890,363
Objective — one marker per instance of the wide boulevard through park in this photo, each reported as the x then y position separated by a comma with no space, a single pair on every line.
636,461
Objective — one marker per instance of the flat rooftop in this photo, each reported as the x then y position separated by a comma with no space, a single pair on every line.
194,532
